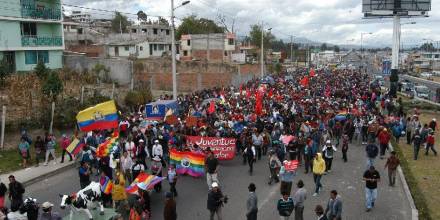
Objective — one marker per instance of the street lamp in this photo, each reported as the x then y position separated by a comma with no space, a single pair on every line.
362,47
173,48
262,49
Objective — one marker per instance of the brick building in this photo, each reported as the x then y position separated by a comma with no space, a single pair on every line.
211,47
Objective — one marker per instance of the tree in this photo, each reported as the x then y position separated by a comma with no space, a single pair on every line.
255,37
336,49
278,68
142,16
194,25
324,47
120,23
41,70
427,47
52,86
163,21
4,72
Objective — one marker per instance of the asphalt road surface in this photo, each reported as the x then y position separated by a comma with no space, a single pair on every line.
346,178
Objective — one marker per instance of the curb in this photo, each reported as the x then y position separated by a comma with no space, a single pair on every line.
414,211
49,174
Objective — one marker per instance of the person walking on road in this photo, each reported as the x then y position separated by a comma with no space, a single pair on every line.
65,142
257,142
169,211
318,171
84,175
39,150
23,148
372,152
215,201
211,167
319,211
384,138
3,191
251,156
299,198
252,203
286,180
344,149
48,214
50,150
328,151
274,167
285,207
334,206
392,164
16,191
371,178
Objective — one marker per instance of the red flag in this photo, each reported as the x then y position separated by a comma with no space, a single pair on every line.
270,93
312,72
258,104
304,81
327,92
211,108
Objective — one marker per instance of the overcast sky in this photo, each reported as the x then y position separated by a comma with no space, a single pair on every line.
332,21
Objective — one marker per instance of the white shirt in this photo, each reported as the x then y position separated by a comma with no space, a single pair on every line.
157,150
130,148
127,163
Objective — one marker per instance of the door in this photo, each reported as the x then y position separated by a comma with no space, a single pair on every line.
116,51
9,59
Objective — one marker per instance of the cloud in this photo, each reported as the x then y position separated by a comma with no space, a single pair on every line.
333,21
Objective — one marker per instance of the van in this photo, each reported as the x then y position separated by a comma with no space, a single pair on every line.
422,92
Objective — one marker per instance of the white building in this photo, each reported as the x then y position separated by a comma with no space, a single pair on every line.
81,17
140,49
212,47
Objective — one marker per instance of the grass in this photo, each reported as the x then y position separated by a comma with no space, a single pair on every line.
422,175
10,160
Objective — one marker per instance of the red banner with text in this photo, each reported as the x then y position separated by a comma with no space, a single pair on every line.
223,148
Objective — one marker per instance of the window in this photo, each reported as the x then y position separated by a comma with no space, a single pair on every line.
28,29
144,30
127,48
185,53
226,54
33,56
161,47
170,47
151,49
188,42
155,47
80,31
141,48
155,31
437,55
231,41
167,32
133,30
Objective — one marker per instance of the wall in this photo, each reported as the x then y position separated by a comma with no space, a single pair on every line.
12,9
55,61
9,34
193,75
120,69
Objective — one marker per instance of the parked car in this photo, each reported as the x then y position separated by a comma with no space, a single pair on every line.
422,92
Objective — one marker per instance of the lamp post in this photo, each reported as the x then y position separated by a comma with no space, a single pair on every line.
173,48
362,48
262,49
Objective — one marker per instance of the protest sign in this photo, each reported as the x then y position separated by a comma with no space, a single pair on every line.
223,148
291,165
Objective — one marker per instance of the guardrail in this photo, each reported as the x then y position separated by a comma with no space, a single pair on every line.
36,41
29,11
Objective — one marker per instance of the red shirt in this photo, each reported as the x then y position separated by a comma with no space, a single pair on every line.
430,139
384,137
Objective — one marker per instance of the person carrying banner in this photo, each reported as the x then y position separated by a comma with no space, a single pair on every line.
156,169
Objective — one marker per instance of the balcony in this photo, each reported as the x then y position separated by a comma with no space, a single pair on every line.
29,11
40,41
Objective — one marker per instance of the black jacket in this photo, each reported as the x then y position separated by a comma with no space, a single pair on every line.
3,189
16,190
214,200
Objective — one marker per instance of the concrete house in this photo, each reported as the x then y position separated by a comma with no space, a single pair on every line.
212,47
140,49
31,30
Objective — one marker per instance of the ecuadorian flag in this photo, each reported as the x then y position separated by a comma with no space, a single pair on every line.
187,162
99,117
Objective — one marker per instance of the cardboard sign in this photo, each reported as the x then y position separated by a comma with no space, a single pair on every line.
291,165
223,148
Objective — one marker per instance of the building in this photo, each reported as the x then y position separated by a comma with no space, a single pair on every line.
31,31
81,17
140,49
211,47
351,59
419,62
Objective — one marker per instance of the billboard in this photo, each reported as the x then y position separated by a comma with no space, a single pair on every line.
386,67
381,8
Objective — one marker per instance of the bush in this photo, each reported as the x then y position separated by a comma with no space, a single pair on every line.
4,73
52,86
41,70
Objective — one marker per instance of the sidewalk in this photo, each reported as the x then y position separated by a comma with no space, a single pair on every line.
35,174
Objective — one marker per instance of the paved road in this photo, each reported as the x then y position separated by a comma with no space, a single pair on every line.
234,179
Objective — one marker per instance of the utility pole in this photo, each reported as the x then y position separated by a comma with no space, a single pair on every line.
208,53
394,78
262,50
2,135
291,49
173,53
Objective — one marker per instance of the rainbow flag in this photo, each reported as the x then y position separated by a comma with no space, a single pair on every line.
75,147
105,148
187,162
98,117
106,185
143,181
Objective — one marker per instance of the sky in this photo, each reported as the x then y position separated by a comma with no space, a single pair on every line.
332,21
